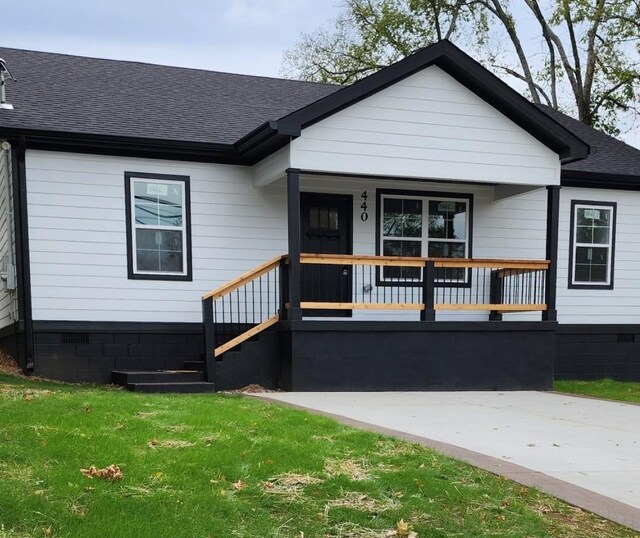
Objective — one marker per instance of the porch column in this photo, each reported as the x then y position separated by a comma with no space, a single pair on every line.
553,210
293,220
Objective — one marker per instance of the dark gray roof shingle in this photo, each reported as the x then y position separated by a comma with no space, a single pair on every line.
74,94
608,155
58,92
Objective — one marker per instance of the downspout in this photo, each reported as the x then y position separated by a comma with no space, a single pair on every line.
22,250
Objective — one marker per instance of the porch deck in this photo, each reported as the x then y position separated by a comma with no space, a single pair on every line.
327,339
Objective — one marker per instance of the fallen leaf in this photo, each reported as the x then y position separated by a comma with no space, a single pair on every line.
238,485
112,472
403,530
27,396
153,443
86,409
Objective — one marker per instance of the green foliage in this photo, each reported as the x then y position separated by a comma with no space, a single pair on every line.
215,465
585,60
371,34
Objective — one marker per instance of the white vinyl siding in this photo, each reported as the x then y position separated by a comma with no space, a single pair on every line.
426,126
601,306
78,236
8,299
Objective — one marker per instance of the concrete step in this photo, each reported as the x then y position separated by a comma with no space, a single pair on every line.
126,377
181,388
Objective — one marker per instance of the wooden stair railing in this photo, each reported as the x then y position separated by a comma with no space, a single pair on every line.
242,308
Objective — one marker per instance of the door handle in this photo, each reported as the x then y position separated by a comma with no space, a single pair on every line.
345,270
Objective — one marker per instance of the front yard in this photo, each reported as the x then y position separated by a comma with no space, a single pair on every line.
602,388
216,465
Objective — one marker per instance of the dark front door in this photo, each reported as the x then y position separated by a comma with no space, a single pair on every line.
326,229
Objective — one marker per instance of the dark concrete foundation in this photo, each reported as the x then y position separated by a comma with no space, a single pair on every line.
586,352
376,356
89,351
345,355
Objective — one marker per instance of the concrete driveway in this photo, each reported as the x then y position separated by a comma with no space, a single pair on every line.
585,451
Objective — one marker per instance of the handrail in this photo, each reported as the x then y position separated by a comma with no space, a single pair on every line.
242,308
246,335
400,261
430,284
234,284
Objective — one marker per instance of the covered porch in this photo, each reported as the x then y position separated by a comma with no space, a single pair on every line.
342,321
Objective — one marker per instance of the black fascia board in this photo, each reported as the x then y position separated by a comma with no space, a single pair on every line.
599,180
466,71
261,142
126,146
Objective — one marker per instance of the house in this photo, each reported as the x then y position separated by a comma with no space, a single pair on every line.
424,228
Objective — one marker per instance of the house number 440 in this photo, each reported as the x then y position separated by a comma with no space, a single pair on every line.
364,216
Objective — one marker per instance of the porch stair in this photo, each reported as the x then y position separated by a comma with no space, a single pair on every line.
163,381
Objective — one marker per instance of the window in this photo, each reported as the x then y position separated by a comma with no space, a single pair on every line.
435,226
158,227
592,244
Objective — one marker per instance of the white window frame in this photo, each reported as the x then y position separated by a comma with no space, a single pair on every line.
137,226
599,206
425,226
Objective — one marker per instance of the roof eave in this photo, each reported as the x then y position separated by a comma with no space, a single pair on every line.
123,145
599,180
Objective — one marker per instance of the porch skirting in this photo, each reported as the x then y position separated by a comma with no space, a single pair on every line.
345,355
377,356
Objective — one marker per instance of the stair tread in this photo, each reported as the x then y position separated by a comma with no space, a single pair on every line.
169,387
185,371
185,383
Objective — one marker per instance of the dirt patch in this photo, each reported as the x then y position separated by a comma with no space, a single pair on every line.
352,469
20,393
576,519
359,501
208,440
170,443
8,365
289,484
250,389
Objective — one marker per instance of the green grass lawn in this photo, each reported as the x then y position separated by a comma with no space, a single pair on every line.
220,466
602,388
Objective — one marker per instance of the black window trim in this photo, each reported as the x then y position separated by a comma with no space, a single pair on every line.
425,194
572,233
128,176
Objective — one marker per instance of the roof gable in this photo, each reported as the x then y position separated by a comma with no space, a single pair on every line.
465,70
427,125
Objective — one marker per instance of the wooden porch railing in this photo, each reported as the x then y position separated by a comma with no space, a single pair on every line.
430,284
257,300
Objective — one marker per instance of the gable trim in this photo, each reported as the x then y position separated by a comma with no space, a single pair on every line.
466,71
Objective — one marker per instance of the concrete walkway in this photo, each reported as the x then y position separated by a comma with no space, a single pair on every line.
585,451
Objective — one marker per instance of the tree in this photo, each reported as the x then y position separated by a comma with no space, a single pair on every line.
582,58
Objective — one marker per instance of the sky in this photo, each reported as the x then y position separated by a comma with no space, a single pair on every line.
238,36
